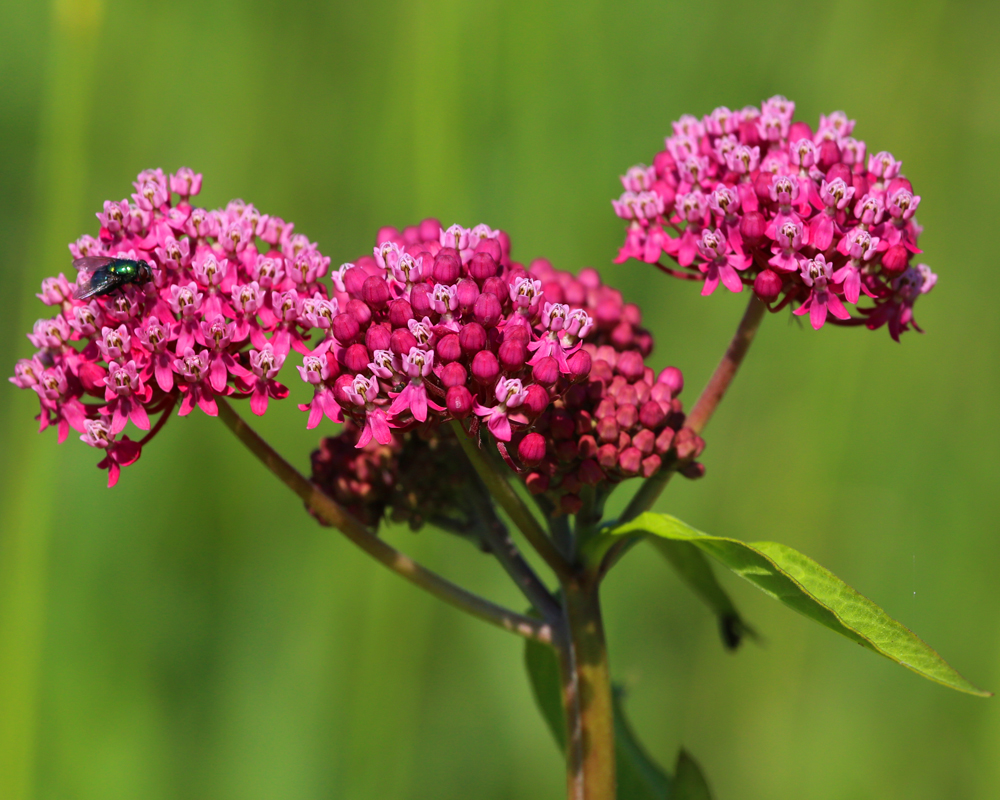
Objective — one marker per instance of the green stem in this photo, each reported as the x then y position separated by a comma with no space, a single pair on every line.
338,517
586,689
511,502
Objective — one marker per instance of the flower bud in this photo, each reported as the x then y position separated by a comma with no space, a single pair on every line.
429,230
645,440
536,401
651,415
799,130
752,227
447,267
694,470
829,155
590,472
453,374
485,367
561,425
607,429
546,371
359,310
377,338
459,402
841,171
630,365
448,348
354,280
651,465
497,286
630,460
673,379
345,328
420,300
375,292
340,387
626,416
570,503
401,341
400,312
490,247
483,265
487,310
664,441
607,456
767,285
356,358
467,293
512,355
531,450
895,260
472,337
537,482
579,365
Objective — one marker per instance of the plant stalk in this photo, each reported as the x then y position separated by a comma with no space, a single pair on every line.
586,690
338,517
511,502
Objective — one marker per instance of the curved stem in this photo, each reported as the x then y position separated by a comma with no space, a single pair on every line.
511,502
334,514
713,393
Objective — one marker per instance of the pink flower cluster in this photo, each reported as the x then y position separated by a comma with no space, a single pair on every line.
439,324
233,291
754,198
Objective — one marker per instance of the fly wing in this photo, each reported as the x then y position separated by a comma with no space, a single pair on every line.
93,277
92,263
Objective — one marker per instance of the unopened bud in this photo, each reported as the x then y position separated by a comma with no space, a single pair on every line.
767,286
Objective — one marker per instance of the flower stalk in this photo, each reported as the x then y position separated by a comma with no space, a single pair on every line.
336,516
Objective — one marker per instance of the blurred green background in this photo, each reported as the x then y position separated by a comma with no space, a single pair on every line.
193,634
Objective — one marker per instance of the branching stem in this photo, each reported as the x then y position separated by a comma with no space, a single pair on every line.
338,517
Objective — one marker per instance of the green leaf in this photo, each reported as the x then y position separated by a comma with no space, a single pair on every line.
689,782
802,584
639,777
697,573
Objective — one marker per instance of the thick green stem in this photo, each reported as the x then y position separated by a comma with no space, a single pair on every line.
338,517
590,724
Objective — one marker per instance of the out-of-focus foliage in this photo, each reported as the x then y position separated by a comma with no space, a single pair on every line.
194,634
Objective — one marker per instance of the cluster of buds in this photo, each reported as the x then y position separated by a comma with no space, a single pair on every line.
231,292
362,479
753,198
439,325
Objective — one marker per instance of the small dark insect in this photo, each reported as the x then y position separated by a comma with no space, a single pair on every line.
100,275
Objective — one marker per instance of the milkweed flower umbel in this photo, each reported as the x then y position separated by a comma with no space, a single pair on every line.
754,198
439,324
232,292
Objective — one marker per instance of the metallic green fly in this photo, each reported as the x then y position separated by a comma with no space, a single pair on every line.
100,275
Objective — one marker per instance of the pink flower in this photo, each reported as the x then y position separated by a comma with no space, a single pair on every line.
364,392
790,237
193,368
125,395
721,262
816,274
265,365
417,365
118,454
185,182
509,394
116,216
